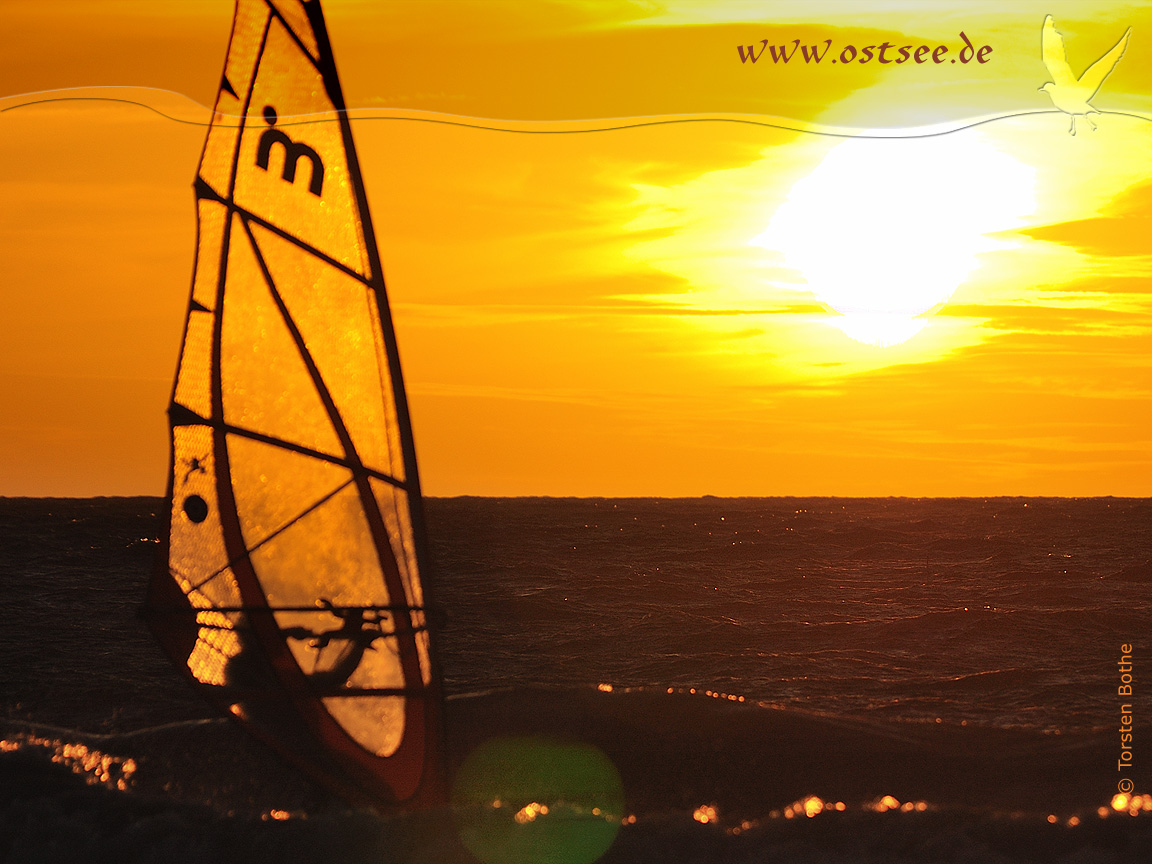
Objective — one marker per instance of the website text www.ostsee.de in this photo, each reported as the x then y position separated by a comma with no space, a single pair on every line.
884,53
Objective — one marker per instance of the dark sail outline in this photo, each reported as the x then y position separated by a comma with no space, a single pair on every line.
414,771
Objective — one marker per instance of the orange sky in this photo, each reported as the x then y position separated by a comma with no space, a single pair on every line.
650,310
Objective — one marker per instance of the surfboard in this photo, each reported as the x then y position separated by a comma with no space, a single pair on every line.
289,586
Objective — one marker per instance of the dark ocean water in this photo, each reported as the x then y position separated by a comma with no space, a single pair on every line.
1005,612
957,652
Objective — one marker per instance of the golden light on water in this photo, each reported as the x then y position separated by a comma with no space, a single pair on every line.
885,230
712,694
812,806
529,812
705,813
885,804
96,766
1130,804
532,800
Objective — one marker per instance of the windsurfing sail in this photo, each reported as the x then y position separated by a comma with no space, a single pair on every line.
289,585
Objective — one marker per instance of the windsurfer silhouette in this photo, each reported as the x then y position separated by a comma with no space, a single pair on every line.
359,628
358,631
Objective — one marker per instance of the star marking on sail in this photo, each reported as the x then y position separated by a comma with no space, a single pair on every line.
196,466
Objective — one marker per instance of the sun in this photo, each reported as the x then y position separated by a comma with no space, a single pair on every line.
884,230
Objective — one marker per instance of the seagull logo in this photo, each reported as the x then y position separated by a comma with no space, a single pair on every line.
1066,92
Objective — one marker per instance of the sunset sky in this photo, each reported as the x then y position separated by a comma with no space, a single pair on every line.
768,279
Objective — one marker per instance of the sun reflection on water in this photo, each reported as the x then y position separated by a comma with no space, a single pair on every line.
97,767
1131,804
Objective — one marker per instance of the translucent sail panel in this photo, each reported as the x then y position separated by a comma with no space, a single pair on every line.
329,554
267,386
212,216
248,28
336,316
394,509
376,723
217,642
274,487
194,378
292,169
197,558
393,504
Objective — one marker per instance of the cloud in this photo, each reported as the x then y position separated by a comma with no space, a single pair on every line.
1124,229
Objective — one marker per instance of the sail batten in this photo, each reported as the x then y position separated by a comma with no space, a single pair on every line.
294,561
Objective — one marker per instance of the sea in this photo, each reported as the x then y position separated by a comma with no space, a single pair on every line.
771,679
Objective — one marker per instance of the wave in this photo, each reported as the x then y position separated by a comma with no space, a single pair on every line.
705,780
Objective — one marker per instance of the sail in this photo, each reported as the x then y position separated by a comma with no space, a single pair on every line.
290,585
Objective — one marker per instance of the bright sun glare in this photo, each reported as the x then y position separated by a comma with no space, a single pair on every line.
885,230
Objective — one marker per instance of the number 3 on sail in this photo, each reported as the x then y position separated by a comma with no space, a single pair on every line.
289,583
